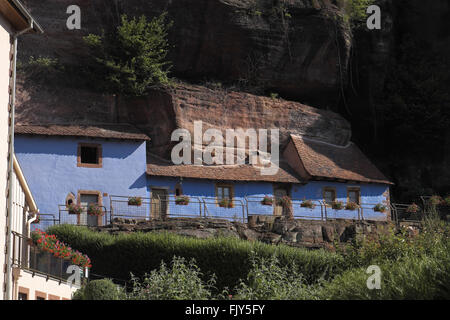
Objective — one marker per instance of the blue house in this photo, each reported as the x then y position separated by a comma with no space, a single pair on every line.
67,164
108,164
311,170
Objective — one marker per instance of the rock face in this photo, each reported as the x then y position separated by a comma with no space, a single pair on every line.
163,111
268,229
297,48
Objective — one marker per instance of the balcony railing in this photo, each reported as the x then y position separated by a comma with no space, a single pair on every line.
26,255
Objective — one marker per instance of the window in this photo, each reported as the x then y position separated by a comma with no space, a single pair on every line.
89,155
354,195
329,195
23,293
23,296
224,192
178,189
40,295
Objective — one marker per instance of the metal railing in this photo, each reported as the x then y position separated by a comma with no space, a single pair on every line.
120,208
65,216
160,208
26,255
235,212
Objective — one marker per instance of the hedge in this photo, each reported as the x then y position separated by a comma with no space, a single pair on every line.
116,256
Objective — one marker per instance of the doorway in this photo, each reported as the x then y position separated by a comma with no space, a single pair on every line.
85,200
280,191
159,203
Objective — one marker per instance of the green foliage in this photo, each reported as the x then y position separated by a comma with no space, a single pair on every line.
357,12
228,258
269,280
103,289
133,58
412,268
182,281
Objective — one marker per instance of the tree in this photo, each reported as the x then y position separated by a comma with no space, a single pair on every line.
132,58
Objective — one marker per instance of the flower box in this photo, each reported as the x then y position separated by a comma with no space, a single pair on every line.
75,209
94,210
380,208
337,205
413,208
351,206
436,200
226,203
49,243
135,201
308,204
267,201
182,200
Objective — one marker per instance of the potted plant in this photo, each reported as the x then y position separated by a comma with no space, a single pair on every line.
135,201
285,201
379,208
267,201
308,204
226,203
436,200
413,208
351,206
94,210
446,201
75,208
337,205
182,200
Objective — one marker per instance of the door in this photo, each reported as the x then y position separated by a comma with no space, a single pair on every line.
159,203
85,200
280,192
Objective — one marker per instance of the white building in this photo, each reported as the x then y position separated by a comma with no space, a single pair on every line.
20,277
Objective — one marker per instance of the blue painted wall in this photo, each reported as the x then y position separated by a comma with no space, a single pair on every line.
371,194
50,167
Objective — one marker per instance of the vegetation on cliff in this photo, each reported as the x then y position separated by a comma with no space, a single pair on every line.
131,59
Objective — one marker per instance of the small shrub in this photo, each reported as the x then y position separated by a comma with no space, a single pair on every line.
182,281
435,200
103,289
269,280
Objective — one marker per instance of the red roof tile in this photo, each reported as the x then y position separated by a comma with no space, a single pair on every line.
159,167
323,160
106,131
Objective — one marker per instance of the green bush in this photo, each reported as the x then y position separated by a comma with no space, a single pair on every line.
268,280
228,258
180,282
103,289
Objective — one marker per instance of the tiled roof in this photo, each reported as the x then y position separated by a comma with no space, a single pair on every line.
158,167
107,131
323,160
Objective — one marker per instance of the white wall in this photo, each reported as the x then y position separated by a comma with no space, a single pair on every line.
41,284
4,101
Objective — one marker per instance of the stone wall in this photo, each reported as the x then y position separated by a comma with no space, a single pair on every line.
268,229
